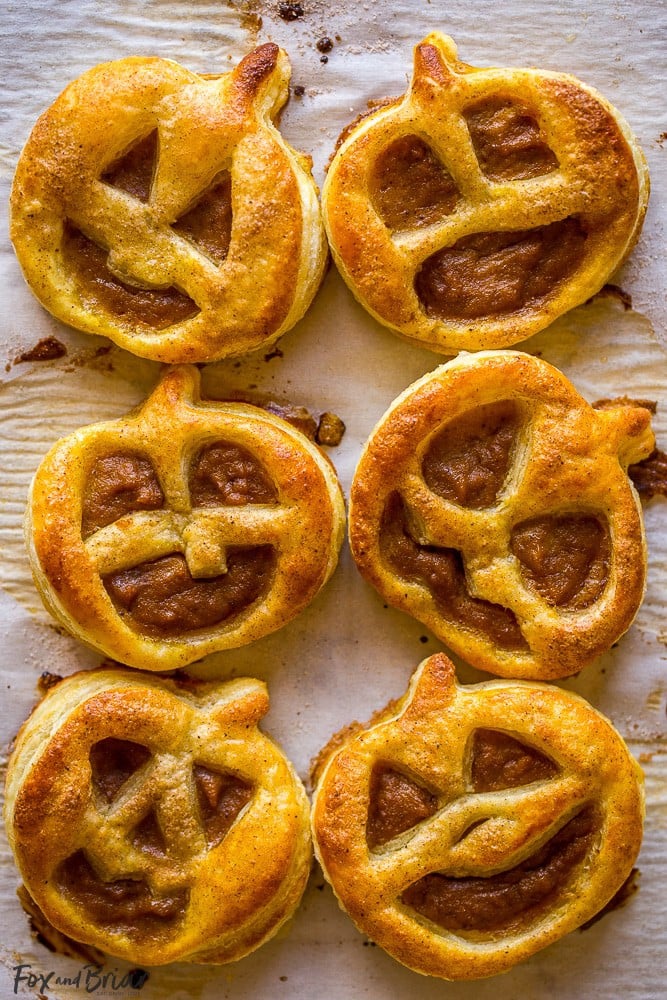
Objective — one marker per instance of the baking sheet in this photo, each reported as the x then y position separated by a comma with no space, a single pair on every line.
347,654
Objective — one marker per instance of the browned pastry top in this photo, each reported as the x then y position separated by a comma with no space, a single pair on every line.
492,503
465,828
164,210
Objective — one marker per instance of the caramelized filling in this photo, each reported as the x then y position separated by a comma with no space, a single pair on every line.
221,798
208,223
112,762
410,187
116,485
508,141
147,836
492,274
468,460
441,571
565,558
99,287
223,474
396,804
499,904
499,761
162,598
133,171
127,902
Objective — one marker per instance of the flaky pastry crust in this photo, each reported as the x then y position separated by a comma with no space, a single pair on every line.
187,527
516,194
510,854
154,820
492,503
164,210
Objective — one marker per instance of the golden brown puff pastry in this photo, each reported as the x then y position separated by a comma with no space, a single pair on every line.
467,827
154,820
163,209
492,503
183,528
484,203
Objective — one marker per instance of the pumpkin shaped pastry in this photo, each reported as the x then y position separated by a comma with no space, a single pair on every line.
186,527
492,503
466,828
484,203
164,210
154,820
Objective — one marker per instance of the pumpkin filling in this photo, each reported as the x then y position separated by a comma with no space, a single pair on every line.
162,598
208,223
494,274
565,558
467,461
441,571
118,484
503,903
396,804
223,474
221,798
133,171
128,904
508,141
100,289
113,762
410,187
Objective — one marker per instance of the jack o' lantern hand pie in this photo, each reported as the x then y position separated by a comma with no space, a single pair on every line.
187,527
154,820
467,827
492,503
484,203
164,210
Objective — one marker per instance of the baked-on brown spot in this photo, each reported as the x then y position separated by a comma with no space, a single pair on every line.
502,903
112,762
410,187
396,804
650,476
441,571
46,349
467,461
508,141
99,288
221,798
118,484
499,761
162,598
208,224
223,474
492,274
133,171
566,558
129,903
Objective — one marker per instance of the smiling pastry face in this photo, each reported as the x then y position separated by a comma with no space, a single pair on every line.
466,828
155,821
185,528
473,211
164,210
492,503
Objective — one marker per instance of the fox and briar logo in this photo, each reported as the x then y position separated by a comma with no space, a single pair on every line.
89,979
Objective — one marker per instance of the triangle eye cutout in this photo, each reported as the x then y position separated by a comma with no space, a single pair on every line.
113,762
508,140
208,223
224,474
148,837
410,186
397,803
221,797
133,171
500,761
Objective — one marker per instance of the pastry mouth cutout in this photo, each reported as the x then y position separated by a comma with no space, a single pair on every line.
467,827
158,547
484,203
164,210
154,820
492,503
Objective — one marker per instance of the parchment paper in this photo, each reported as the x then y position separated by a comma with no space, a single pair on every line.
347,654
